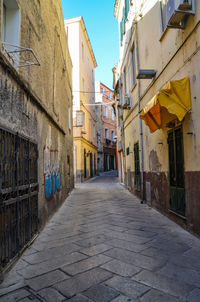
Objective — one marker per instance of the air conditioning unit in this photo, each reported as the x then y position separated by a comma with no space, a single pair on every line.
127,102
177,11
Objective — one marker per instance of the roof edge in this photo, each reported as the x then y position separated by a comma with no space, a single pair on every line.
80,19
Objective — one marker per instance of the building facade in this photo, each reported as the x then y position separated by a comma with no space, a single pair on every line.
106,128
157,83
84,116
36,141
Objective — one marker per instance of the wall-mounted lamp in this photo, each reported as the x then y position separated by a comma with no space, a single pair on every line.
146,74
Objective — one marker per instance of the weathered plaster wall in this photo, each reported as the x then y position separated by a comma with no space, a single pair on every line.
174,55
34,101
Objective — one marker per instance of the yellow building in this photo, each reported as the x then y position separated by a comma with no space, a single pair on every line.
84,63
158,78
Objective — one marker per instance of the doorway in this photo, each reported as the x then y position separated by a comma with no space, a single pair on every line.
91,165
176,171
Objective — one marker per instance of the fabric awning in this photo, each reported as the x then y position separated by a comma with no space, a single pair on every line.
172,101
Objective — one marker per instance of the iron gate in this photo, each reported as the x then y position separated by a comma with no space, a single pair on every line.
18,194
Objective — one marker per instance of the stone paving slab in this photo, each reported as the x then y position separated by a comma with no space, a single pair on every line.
85,265
127,286
163,283
136,259
52,264
46,280
51,253
101,293
157,296
79,298
122,298
22,294
82,282
121,268
51,295
103,245
96,249
181,274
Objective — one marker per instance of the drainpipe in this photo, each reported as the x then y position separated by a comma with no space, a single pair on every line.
140,121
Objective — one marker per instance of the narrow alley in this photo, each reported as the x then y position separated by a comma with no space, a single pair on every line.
104,245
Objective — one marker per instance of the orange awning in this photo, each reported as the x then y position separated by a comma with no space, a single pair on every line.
172,101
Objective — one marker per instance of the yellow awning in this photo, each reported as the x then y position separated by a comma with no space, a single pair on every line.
173,100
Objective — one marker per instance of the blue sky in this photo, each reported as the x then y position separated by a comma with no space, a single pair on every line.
102,29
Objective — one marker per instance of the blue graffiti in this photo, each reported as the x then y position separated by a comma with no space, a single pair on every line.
48,185
52,182
58,182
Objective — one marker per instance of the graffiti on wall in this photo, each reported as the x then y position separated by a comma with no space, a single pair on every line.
52,180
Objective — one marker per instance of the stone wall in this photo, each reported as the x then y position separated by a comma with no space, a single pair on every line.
35,101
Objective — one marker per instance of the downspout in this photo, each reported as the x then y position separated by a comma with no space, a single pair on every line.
140,121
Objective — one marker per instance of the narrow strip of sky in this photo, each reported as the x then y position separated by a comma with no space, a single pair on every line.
102,29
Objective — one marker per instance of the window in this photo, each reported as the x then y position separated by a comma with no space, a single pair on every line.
11,22
125,86
102,91
133,67
83,85
112,135
163,4
112,114
127,151
110,95
122,26
124,19
106,111
106,134
82,51
127,7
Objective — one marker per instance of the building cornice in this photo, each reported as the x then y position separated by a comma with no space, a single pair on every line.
90,144
116,8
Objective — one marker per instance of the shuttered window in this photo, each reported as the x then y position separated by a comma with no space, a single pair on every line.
127,7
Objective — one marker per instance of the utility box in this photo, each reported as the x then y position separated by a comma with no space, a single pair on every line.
177,10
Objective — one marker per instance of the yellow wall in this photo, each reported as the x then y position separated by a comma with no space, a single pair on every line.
84,64
80,145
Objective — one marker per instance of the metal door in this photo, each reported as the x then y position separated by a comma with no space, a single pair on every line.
176,171
91,165
18,194
137,166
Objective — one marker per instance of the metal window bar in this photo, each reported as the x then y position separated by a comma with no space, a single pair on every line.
19,56
18,194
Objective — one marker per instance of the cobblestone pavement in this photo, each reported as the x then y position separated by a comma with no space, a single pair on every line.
103,245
